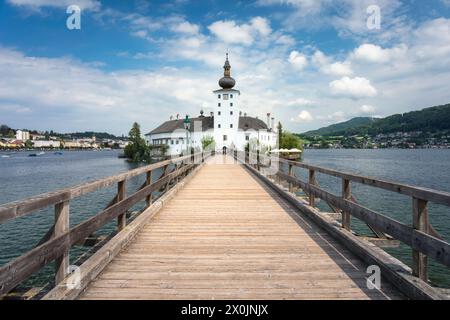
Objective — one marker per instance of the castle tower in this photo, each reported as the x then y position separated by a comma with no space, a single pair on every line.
226,111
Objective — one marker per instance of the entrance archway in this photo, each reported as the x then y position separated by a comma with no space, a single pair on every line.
224,150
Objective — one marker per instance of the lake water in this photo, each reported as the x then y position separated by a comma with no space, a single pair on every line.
426,168
22,176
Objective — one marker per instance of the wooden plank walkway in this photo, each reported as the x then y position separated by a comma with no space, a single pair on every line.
228,236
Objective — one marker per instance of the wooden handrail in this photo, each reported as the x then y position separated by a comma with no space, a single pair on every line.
20,208
421,236
60,238
436,196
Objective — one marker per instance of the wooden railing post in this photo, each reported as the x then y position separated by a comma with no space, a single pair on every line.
290,174
121,193
347,195
149,182
421,223
257,160
62,225
312,181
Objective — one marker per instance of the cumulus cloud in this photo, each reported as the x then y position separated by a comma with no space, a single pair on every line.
368,109
327,66
357,87
298,60
65,94
305,7
303,116
37,4
376,54
185,27
231,32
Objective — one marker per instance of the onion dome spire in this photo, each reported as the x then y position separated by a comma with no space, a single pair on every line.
227,82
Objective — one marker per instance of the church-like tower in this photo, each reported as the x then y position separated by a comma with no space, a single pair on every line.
226,111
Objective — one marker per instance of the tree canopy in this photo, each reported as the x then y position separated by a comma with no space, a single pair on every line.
137,150
290,141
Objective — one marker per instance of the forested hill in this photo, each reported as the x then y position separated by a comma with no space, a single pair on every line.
339,128
429,119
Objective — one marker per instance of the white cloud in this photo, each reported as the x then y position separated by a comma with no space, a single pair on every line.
328,67
185,27
303,116
230,32
37,4
298,60
64,94
368,109
433,39
338,69
353,87
300,102
305,7
139,33
376,54
261,25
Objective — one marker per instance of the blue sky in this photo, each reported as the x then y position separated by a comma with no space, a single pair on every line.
308,62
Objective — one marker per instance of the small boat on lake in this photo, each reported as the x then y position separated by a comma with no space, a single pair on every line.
36,154
59,153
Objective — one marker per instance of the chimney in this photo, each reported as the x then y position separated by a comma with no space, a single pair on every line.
245,114
272,124
211,114
268,120
171,117
240,113
178,116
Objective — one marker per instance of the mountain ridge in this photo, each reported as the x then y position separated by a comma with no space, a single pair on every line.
428,119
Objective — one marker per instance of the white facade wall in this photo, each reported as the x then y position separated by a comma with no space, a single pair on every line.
226,118
22,135
46,144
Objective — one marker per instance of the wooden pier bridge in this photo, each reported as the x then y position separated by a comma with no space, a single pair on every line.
231,227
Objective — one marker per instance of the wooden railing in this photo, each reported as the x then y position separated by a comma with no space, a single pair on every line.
56,244
420,236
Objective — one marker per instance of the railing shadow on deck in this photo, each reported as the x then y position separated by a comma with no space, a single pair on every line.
60,238
421,237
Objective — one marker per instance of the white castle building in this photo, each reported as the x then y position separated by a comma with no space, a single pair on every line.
228,125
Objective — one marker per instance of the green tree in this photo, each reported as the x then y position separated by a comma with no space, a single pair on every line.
208,143
28,144
137,150
290,141
280,133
